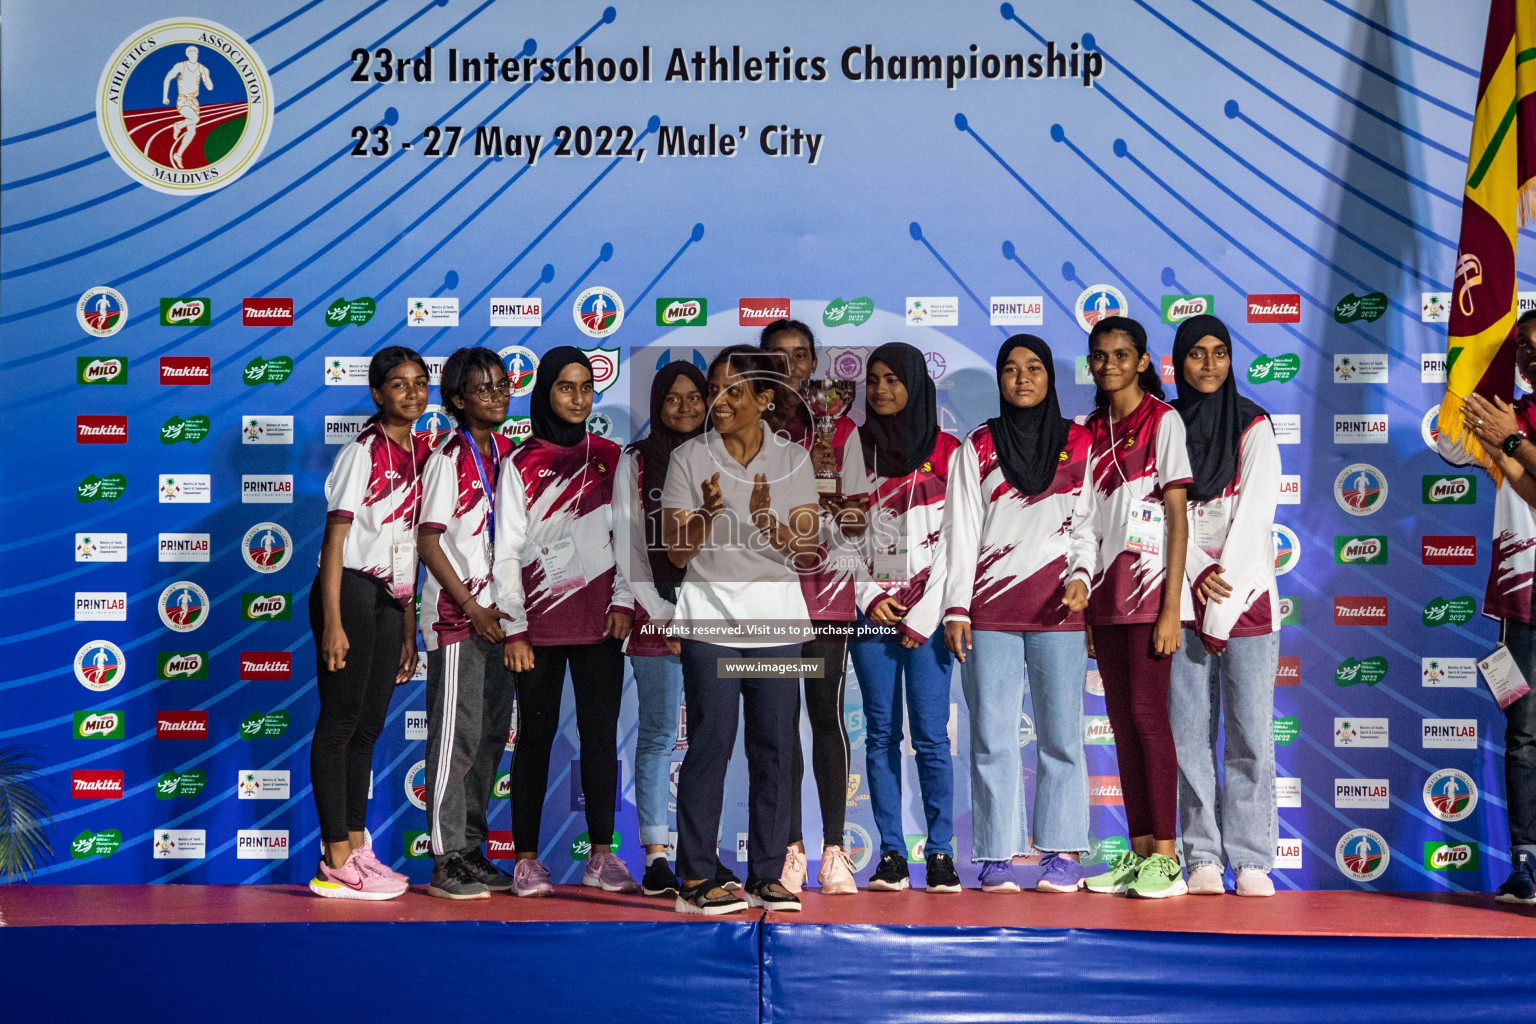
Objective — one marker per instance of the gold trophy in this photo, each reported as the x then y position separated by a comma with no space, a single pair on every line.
827,399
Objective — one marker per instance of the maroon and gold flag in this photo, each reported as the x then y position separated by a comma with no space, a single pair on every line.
1500,197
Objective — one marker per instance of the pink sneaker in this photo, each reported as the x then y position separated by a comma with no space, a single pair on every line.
531,878
606,872
369,863
836,874
795,868
351,882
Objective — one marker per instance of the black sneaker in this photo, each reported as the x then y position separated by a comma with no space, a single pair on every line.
891,874
486,873
942,876
452,880
659,879
770,894
708,899
725,878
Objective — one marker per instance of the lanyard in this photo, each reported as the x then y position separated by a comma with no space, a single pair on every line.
485,485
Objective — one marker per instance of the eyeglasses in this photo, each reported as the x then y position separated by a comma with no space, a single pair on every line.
485,391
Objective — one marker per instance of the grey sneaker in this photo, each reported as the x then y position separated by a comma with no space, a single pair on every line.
1253,882
452,880
486,873
606,872
1206,880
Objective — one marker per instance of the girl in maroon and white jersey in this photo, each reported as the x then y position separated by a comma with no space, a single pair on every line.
1138,470
567,604
362,613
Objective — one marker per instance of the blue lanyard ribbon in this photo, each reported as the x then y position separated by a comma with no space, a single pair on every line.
485,485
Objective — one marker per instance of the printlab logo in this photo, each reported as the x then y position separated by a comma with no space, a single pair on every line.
184,106
1098,301
101,370
101,312
1432,368
1274,369
261,844
355,312
1362,794
99,665
682,312
1450,795
598,312
517,312
1360,489
101,606
1362,855
266,489
101,488
1363,428
184,313
266,547
1016,311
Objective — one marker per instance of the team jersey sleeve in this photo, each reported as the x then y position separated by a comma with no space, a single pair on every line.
347,486
439,490
964,513
1172,455
1083,547
511,533
622,600
631,551
854,479
924,617
1247,554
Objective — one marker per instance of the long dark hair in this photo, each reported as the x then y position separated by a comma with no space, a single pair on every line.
764,370
785,324
380,366
458,371
1150,379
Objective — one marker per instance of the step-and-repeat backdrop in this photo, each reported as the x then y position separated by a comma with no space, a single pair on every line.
215,212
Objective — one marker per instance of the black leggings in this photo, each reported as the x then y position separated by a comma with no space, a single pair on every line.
354,701
597,679
829,742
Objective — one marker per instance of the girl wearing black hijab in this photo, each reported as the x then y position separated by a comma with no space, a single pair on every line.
569,604
1227,662
899,645
1015,496
677,414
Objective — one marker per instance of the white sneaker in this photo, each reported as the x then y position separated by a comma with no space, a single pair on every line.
794,874
836,874
1205,880
1253,882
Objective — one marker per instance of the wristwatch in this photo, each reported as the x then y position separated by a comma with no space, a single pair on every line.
1512,442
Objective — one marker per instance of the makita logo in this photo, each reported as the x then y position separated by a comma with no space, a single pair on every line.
266,312
498,846
101,429
96,785
1282,308
1449,550
1359,611
266,664
1105,790
181,725
186,370
762,312
1288,672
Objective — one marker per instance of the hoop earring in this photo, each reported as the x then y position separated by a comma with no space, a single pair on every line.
770,406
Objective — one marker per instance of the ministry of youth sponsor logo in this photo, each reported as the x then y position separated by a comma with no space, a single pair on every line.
1360,732
1364,428
429,312
1455,672
266,430
99,665
1450,795
1449,733
101,547
344,429
260,784
517,312
347,370
1360,368
184,488
1016,310
183,547
266,312
1363,794
933,311
1287,426
1362,854
179,843
261,844
101,312
1287,791
101,606
184,106
266,489
1435,307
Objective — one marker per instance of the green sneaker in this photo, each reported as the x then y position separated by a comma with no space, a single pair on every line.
1159,876
1121,873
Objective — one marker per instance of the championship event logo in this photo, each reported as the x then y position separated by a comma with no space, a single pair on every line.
184,106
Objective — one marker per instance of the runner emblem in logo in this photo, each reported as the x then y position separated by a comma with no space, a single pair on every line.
1450,795
416,785
1360,489
99,665
598,312
183,606
184,106
102,311
521,366
1362,854
266,547
1097,302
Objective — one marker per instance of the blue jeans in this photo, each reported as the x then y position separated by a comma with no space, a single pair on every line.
883,666
1239,688
659,685
1520,743
993,678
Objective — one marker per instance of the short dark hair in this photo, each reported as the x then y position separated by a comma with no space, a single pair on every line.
458,371
383,363
1528,317
765,370
781,325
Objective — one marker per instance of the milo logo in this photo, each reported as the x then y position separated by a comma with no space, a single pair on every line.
681,312
516,428
98,725
269,726
265,607
191,429
502,790
1360,550
1440,856
268,371
95,844
101,370
418,844
357,312
1096,730
1286,729
1352,672
852,312
101,488
174,784
1178,308
1455,611
1449,490
184,313
182,665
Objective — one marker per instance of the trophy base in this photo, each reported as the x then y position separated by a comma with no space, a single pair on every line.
827,486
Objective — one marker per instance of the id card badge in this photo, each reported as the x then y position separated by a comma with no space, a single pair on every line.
891,564
1504,677
562,566
1210,529
402,558
1144,527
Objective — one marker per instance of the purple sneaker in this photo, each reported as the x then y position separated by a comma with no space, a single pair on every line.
606,872
997,876
531,878
1062,874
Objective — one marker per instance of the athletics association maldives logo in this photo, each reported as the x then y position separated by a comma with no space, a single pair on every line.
522,366
99,665
184,106
101,312
598,312
1360,489
1362,854
183,606
1450,795
1099,301
1287,549
416,785
266,547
